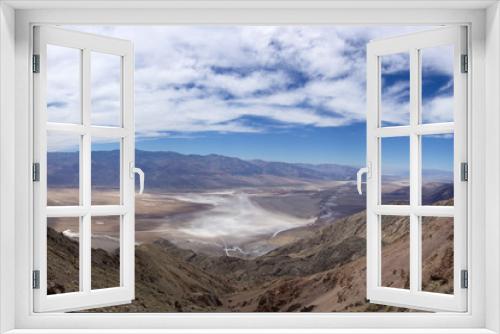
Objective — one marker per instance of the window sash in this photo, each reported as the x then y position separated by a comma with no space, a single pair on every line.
414,297
86,297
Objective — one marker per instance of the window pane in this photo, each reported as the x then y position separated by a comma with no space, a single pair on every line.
437,254
106,89
395,89
395,170
437,169
63,84
105,252
63,169
395,245
105,171
63,254
437,84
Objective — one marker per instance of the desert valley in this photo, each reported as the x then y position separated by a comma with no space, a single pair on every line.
222,234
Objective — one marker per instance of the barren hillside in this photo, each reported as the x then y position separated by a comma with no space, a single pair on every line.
322,272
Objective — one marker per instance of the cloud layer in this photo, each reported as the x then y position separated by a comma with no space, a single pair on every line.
242,79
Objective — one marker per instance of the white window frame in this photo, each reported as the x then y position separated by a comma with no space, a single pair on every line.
16,20
86,297
411,44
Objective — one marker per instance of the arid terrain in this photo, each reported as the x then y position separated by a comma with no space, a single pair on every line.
278,249
243,222
222,234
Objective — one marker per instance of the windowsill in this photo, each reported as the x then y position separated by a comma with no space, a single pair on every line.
256,331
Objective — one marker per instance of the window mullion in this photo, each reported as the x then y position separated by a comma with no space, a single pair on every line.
415,182
86,228
127,236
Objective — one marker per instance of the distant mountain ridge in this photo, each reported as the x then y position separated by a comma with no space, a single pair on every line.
170,171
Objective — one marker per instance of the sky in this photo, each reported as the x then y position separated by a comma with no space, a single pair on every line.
289,93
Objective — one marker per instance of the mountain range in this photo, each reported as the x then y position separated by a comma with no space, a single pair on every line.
172,171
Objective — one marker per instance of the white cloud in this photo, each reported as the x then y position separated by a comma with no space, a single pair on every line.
193,79
105,89
438,109
63,85
395,104
438,60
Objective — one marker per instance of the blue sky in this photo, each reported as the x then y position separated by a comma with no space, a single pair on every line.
293,94
297,144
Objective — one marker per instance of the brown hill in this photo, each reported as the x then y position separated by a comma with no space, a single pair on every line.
165,282
323,272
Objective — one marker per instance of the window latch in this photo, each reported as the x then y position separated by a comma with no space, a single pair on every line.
134,170
365,170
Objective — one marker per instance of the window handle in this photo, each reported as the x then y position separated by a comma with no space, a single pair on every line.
134,170
365,170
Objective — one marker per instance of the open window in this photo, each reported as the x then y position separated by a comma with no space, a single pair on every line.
427,110
92,107
482,237
84,155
